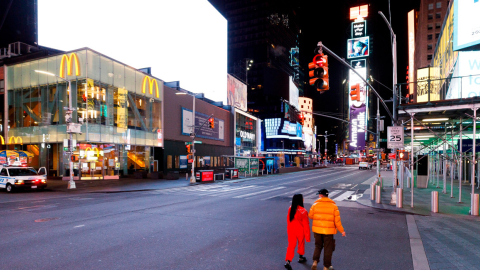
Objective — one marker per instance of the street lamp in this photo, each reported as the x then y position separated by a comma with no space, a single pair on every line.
248,64
326,140
68,120
192,135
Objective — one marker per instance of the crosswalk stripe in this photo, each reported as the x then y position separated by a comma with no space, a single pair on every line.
258,192
344,195
333,193
290,193
232,191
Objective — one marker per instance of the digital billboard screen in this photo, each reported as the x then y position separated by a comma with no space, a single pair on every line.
358,47
466,23
237,93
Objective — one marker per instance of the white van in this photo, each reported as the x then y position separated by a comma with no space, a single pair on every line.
364,166
19,177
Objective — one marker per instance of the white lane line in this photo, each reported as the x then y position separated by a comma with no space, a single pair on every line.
301,180
286,193
343,196
232,191
79,226
312,194
259,192
333,193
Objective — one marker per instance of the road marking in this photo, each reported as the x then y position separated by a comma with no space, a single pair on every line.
232,190
286,193
259,192
343,196
333,193
79,226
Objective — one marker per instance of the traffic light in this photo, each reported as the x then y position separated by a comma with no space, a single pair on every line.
188,147
301,118
383,156
402,155
319,72
355,92
211,122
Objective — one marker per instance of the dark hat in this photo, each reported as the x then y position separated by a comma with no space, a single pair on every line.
323,192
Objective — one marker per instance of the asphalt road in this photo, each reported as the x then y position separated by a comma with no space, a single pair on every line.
229,225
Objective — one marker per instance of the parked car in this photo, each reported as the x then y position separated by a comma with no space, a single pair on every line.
13,178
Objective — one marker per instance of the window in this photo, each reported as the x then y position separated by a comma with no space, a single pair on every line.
438,25
429,37
430,16
430,26
430,6
438,15
4,172
304,101
302,108
429,57
439,4
429,46
437,35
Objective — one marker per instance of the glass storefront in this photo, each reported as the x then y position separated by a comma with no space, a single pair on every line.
245,135
121,109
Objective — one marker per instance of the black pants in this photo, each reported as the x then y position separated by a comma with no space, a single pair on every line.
324,241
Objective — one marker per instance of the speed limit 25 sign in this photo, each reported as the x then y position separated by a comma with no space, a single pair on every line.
395,137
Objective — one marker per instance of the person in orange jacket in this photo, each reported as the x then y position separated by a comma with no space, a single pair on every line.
298,229
326,222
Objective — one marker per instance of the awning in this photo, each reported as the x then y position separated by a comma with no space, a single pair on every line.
24,153
8,153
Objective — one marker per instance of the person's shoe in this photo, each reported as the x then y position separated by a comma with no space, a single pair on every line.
288,266
329,268
302,259
314,265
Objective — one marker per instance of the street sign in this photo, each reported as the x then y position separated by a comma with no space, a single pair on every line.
376,150
383,140
392,156
196,142
395,137
188,143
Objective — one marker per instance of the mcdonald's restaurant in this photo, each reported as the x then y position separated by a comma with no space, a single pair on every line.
118,109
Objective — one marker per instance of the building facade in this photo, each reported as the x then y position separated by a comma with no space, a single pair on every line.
119,107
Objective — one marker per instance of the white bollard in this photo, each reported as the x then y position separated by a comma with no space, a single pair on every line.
378,194
399,198
475,202
434,202
372,191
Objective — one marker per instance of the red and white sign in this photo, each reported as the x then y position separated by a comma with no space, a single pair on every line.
392,156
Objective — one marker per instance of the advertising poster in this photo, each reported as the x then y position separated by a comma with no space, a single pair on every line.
241,164
237,93
424,85
358,47
122,115
254,165
467,24
468,68
217,133
183,162
293,93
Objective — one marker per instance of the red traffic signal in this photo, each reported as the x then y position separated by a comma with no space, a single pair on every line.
301,118
188,147
319,72
211,122
355,92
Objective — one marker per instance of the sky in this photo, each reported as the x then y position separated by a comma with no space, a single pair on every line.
181,40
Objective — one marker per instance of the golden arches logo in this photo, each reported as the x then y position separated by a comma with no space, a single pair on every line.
91,149
73,58
3,140
151,82
15,140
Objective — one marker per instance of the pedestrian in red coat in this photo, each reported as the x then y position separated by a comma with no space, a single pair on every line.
298,229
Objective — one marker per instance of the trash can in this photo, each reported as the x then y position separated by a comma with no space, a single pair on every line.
231,173
204,176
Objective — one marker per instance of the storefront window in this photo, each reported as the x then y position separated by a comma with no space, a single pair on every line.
246,130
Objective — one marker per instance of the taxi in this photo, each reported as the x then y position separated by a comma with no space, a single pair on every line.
21,177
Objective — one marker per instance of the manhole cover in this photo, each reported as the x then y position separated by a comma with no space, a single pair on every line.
46,219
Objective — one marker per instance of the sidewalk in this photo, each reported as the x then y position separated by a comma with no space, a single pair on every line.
450,238
422,197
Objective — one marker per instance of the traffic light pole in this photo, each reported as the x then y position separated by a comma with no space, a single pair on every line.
378,139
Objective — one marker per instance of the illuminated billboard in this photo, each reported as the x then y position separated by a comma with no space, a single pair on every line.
280,128
467,67
359,29
467,24
293,93
237,93
357,105
358,47
411,48
358,12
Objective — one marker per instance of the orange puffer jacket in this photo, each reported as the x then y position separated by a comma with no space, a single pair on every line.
326,217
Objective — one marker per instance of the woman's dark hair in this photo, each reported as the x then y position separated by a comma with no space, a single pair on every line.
297,200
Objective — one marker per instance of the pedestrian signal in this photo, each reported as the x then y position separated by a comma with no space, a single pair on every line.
188,147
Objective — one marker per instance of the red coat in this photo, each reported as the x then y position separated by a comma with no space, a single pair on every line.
299,227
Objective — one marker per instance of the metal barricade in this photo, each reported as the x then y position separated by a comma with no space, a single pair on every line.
399,198
434,201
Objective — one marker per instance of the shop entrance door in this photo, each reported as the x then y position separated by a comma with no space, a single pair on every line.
92,170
